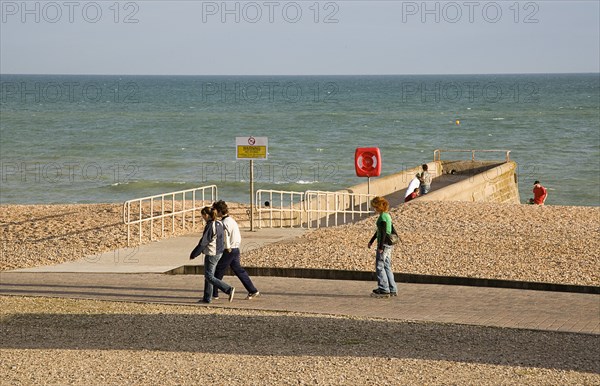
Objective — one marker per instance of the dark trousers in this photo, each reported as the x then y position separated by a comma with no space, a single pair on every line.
232,259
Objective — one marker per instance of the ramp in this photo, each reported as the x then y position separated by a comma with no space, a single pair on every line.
160,257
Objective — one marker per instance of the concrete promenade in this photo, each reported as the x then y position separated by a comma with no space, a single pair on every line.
509,308
136,275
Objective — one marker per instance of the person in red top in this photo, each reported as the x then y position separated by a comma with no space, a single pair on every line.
539,193
412,196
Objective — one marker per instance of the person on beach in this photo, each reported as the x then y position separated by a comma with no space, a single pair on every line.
539,193
413,195
425,180
386,286
211,245
231,253
414,184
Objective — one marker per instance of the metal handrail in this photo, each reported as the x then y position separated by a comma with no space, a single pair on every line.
141,218
310,206
344,203
437,153
294,209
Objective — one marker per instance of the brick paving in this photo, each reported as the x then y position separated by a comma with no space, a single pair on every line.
481,306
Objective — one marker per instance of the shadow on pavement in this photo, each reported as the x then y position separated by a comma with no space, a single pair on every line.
291,335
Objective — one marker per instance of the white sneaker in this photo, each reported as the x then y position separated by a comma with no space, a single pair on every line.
253,296
231,293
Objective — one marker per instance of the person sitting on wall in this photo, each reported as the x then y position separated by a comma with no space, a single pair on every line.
412,196
425,180
414,183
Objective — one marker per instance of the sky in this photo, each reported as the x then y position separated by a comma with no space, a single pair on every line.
152,37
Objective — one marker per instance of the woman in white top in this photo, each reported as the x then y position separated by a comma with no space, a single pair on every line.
231,252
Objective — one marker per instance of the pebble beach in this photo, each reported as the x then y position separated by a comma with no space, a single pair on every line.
554,244
86,342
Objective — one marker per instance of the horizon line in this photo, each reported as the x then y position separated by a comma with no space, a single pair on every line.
405,74
364,74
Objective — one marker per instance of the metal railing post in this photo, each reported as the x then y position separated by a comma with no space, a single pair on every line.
140,220
128,221
183,210
151,219
194,209
173,213
259,201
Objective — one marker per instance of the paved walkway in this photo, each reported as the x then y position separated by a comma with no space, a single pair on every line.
136,274
539,310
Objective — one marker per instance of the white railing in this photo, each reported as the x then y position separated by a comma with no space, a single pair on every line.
312,208
320,205
437,153
142,210
286,205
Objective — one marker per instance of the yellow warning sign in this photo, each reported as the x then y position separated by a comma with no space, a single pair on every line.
251,152
251,148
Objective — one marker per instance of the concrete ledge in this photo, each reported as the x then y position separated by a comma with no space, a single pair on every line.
332,274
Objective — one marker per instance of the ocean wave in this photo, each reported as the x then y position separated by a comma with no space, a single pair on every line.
299,182
145,186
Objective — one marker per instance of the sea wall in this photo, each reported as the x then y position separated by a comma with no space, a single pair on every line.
472,181
476,181
383,186
498,184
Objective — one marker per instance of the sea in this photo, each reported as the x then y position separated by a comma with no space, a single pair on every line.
101,139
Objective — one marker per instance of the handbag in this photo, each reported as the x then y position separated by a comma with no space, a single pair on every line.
394,238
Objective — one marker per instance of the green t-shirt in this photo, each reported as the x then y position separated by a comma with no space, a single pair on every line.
387,219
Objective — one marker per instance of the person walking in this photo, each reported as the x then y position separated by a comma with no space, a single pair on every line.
231,253
386,286
211,245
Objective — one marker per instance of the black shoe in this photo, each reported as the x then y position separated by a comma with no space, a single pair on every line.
380,293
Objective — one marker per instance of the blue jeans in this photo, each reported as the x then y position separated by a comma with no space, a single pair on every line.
210,263
232,259
383,269
424,189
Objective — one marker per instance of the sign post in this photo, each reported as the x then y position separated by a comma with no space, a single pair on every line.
251,148
251,195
